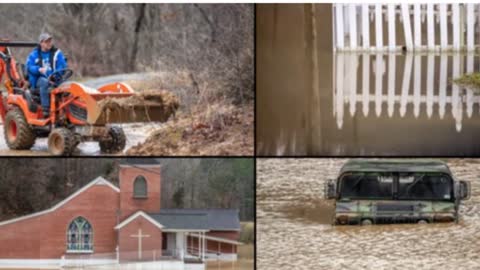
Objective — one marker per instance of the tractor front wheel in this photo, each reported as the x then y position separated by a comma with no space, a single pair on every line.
62,142
115,142
18,133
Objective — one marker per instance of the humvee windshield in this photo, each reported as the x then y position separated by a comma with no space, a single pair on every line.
396,186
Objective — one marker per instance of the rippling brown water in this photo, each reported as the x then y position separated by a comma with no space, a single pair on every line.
292,232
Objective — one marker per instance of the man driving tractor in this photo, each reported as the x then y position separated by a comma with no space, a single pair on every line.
69,113
41,63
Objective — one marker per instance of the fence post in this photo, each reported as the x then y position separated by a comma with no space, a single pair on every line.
378,27
417,31
431,28
455,27
365,27
339,32
443,26
391,27
470,26
407,29
352,19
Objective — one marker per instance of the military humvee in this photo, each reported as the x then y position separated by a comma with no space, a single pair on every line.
371,191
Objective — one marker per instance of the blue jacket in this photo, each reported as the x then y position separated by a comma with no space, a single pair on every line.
33,64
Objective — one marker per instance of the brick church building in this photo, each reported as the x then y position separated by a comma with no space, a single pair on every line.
126,222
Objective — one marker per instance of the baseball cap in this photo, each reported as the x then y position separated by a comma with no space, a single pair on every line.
44,36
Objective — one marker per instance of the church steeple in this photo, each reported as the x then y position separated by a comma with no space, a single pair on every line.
140,183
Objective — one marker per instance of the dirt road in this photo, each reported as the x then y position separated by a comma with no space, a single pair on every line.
135,132
291,236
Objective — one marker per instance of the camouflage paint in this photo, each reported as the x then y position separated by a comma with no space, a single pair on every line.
353,211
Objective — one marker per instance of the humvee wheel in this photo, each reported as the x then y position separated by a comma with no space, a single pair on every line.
366,222
422,221
61,142
115,142
18,133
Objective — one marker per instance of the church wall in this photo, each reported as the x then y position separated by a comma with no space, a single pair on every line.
130,205
22,239
45,236
151,245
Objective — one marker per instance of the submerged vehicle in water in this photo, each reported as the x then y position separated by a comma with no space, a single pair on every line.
372,191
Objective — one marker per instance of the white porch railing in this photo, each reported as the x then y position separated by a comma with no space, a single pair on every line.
211,254
355,26
98,259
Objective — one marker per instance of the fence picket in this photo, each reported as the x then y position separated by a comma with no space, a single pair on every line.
352,25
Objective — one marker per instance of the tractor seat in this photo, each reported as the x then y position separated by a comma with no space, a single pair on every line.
29,94
23,71
32,98
24,75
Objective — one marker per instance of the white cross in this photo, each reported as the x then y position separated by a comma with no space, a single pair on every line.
140,236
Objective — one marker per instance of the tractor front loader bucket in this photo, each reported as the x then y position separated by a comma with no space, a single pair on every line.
118,109
117,103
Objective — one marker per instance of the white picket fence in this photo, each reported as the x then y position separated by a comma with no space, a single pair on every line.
457,24
418,88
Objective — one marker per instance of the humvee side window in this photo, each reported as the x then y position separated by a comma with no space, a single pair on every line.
425,186
366,186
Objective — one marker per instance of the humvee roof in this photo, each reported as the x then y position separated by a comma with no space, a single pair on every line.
395,165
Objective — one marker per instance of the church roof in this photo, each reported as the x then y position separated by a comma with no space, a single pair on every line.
181,221
209,219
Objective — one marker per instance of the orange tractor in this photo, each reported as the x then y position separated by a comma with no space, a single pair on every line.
75,114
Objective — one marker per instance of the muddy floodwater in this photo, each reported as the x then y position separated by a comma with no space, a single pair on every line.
314,101
234,265
294,231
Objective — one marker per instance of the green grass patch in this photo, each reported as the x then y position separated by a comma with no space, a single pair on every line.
247,232
471,80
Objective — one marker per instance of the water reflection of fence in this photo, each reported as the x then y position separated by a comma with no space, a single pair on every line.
456,23
346,82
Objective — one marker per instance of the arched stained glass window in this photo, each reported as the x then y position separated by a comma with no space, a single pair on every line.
80,235
140,187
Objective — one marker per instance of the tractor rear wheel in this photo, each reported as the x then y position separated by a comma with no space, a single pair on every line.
62,142
115,142
18,133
